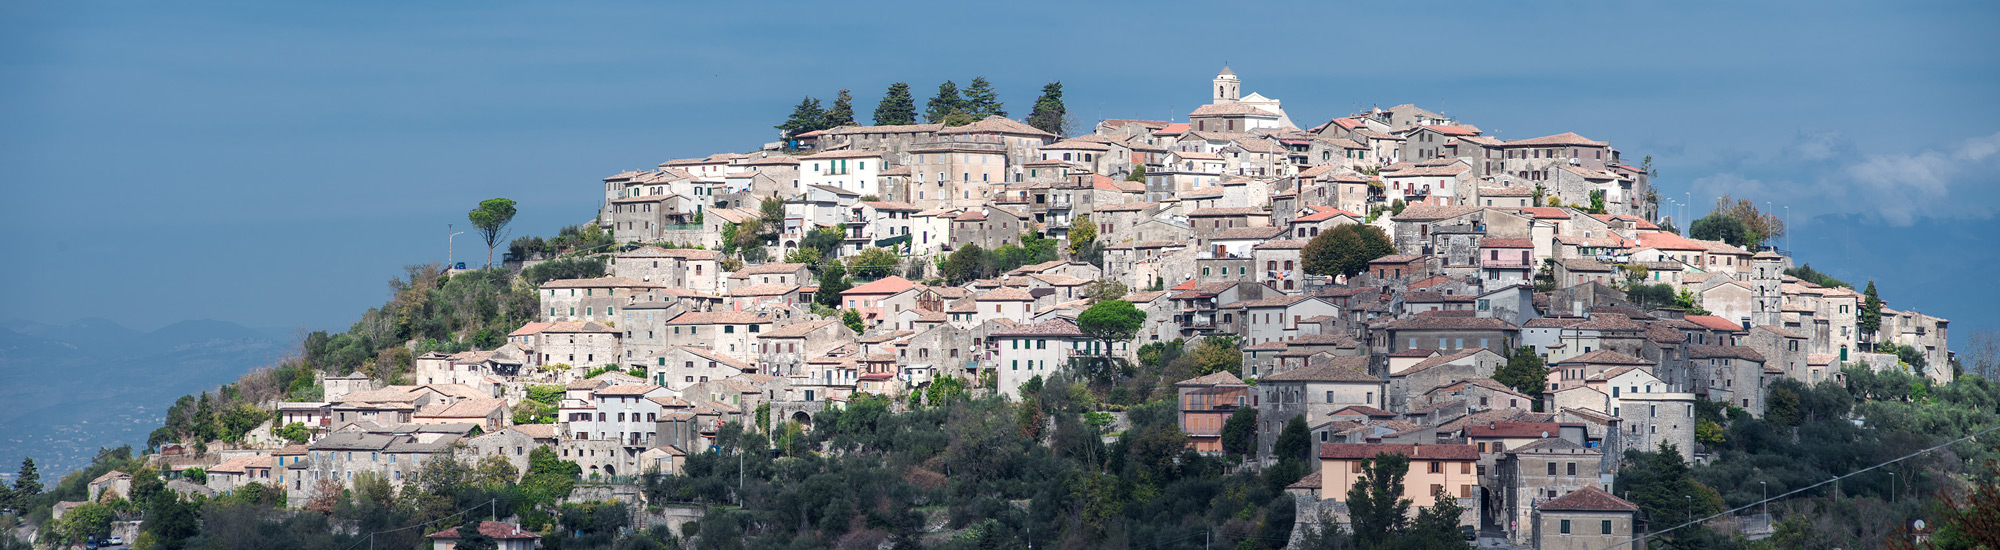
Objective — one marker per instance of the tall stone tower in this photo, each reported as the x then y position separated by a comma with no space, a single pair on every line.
1227,87
1767,272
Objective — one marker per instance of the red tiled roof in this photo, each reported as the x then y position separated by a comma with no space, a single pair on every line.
1589,499
886,285
1352,451
1506,243
497,530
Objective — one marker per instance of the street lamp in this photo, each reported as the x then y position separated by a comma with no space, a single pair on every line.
1788,228
1892,487
1690,507
447,246
1766,488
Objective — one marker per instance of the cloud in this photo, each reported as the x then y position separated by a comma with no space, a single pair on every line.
1929,184
1958,182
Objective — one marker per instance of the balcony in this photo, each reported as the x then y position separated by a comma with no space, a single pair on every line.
1504,264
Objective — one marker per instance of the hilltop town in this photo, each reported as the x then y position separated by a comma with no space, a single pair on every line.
1509,316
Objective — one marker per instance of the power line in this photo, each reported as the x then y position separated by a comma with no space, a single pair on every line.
371,535
1835,479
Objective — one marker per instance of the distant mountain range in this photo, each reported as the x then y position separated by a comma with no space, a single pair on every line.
71,388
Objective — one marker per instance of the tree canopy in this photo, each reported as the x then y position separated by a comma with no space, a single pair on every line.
841,113
1722,227
1524,371
1346,250
947,107
1049,113
490,219
1111,321
981,101
897,107
806,117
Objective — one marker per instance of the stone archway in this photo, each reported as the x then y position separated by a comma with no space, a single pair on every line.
804,420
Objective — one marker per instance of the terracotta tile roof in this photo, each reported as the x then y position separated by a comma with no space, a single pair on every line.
1364,410
718,317
1007,294
996,125
886,285
1589,499
1255,233
1786,333
1584,264
1342,369
1428,171
1424,213
601,282
1311,481
848,154
1605,357
1076,145
1430,321
1724,352
627,389
1219,378
1323,213
497,530
772,289
1440,360
715,356
1545,212
1513,429
1231,109
774,268
1229,211
1054,327
657,252
1355,451
1608,321
1122,207
561,327
1397,259
1565,138
1280,245
1668,241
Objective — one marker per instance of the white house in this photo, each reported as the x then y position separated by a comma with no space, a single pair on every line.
851,170
1040,349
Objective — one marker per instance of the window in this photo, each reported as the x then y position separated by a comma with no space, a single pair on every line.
1465,468
1552,468
1565,527
1436,467
1604,526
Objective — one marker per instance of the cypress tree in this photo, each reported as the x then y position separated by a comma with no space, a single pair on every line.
1870,319
842,112
946,104
897,106
1049,112
806,117
981,101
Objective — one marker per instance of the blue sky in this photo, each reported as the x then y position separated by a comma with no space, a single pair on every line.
273,164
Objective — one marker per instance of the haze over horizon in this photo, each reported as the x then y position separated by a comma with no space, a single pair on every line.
274,165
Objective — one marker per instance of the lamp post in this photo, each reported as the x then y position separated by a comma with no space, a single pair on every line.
1892,487
1766,503
1690,507
448,264
1788,228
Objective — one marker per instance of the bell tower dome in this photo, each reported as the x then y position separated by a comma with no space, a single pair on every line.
1227,88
